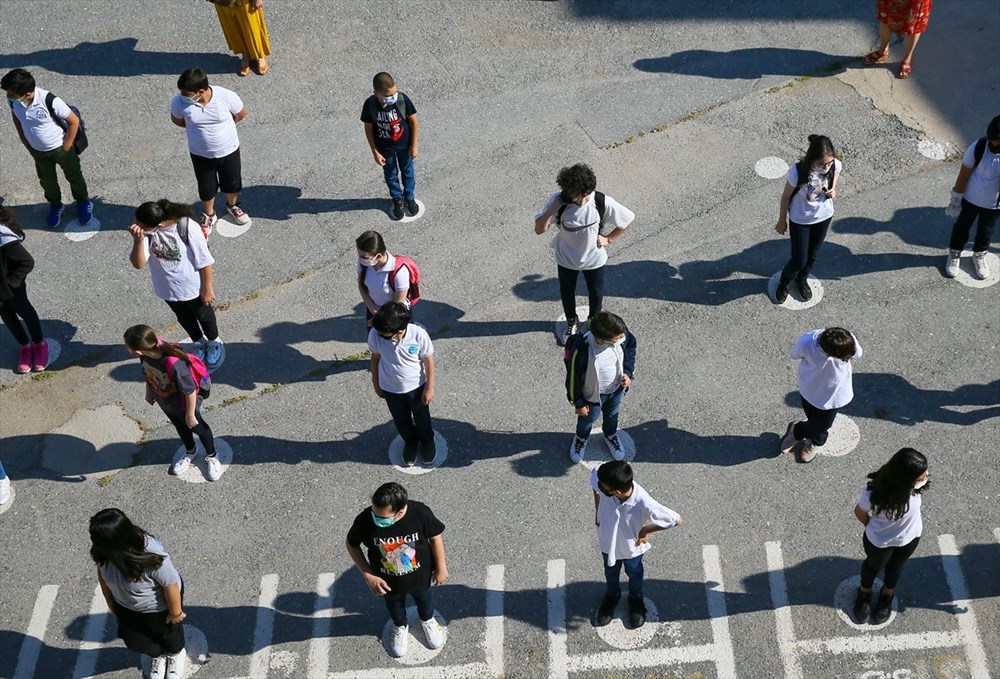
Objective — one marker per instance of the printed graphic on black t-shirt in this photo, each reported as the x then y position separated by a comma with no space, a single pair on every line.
392,130
400,554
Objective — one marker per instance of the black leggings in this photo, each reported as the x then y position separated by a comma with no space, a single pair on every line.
197,318
186,433
892,559
396,604
149,633
960,232
567,290
19,306
816,428
805,240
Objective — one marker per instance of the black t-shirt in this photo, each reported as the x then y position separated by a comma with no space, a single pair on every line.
401,553
392,131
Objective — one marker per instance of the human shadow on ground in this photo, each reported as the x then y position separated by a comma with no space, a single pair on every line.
112,216
280,203
925,226
747,64
658,442
731,13
118,58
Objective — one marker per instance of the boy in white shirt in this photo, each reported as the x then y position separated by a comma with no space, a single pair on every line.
625,516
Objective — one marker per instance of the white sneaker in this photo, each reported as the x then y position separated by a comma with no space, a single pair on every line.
979,262
207,222
177,665
615,446
433,633
951,267
158,667
213,353
569,331
4,490
398,641
182,462
214,467
238,215
576,449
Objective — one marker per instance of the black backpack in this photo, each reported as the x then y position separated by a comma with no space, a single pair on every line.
599,202
80,143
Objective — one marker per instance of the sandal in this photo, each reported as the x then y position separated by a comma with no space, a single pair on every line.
262,66
905,68
876,57
244,69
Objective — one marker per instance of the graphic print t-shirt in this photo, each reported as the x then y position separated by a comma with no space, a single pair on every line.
174,265
401,553
392,131
810,205
169,387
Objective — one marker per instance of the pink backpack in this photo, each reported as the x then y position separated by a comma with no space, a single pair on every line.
199,373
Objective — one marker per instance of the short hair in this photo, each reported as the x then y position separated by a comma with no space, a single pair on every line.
606,326
383,82
616,475
577,180
838,343
392,317
370,241
18,81
390,495
993,129
192,80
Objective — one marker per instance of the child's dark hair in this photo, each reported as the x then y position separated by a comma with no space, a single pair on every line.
115,540
151,213
577,180
838,343
891,486
371,242
616,475
820,147
993,129
606,326
383,82
390,495
392,317
7,219
192,80
18,81
144,338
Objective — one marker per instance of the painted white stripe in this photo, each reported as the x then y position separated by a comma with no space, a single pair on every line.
471,671
782,611
996,534
27,659
646,657
556,599
978,666
260,661
872,643
715,592
319,646
493,635
93,636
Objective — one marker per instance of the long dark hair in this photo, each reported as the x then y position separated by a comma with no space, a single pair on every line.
151,213
144,338
820,146
891,486
7,219
370,241
115,540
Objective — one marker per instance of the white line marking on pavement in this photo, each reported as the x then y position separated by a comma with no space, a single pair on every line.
996,534
264,631
782,611
319,645
877,643
715,592
93,636
645,657
33,640
556,599
963,607
493,637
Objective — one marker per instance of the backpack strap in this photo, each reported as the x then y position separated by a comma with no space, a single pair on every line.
978,152
50,102
373,107
182,230
599,202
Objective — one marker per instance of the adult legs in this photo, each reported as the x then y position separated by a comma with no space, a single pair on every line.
910,43
816,428
595,289
567,291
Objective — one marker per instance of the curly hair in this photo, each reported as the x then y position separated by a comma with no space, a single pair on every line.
577,180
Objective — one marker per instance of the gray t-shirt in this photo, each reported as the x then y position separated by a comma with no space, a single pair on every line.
576,241
144,595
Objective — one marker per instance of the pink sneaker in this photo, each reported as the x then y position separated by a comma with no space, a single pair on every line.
41,356
24,360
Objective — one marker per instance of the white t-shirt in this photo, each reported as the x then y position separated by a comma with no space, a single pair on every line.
884,532
211,130
609,378
401,364
377,280
575,242
173,265
620,522
43,134
824,381
810,205
144,595
983,188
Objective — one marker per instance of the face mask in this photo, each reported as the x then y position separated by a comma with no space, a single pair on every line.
189,100
618,343
18,102
366,262
918,486
383,522
389,101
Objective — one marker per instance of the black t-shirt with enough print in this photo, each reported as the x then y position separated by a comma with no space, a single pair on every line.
170,388
392,130
401,553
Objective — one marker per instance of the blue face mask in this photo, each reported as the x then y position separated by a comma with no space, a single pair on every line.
389,101
383,522
18,102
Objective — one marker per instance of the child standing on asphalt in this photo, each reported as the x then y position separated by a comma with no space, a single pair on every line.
393,135
625,516
382,277
405,556
599,368
15,265
825,386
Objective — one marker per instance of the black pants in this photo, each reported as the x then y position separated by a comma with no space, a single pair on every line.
960,232
411,416
816,428
187,434
197,318
149,633
567,290
805,240
892,559
395,602
214,174
18,307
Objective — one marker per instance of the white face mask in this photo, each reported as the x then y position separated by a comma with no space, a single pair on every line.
921,484
367,262
389,101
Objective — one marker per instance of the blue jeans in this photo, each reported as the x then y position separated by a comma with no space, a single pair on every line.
399,163
634,571
610,404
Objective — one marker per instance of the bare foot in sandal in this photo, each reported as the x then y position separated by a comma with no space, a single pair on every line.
876,56
244,69
905,68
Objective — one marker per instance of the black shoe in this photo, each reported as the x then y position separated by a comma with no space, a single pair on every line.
428,452
882,610
862,607
606,611
411,207
409,454
571,329
397,209
780,293
805,292
636,613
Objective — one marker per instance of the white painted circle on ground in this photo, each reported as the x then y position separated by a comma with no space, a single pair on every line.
229,229
936,150
844,437
843,603
417,650
966,271
396,456
771,167
75,231
794,303
597,452
195,648
616,634
411,218
188,346
54,350
197,472
6,505
582,323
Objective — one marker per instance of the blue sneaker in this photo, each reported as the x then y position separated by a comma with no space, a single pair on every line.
84,212
55,215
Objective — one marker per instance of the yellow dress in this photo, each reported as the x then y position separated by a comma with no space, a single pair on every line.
245,30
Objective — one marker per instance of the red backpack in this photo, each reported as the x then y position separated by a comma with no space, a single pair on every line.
199,373
413,294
